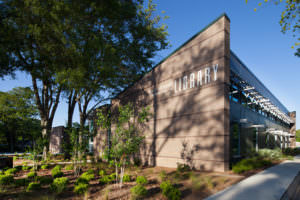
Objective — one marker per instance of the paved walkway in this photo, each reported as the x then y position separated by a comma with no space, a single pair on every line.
269,184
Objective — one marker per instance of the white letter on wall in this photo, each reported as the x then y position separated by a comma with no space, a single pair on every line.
199,81
215,72
192,80
185,84
179,85
207,75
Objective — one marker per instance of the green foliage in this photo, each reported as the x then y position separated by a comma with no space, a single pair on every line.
126,140
25,168
250,164
126,178
69,167
291,151
141,180
102,173
106,179
45,166
169,191
11,171
138,192
31,175
183,167
81,180
17,116
163,175
272,154
56,172
6,179
81,188
298,131
44,180
59,184
33,186
21,182
88,176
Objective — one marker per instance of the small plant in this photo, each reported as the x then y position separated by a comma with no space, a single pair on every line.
126,178
33,186
106,180
138,192
69,167
31,175
11,171
169,191
45,166
44,180
81,188
163,175
87,175
6,179
59,184
183,167
21,182
25,168
141,180
81,180
56,172
102,173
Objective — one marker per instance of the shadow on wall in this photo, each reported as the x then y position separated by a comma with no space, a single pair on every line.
191,125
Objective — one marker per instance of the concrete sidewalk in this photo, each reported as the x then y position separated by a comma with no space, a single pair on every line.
269,184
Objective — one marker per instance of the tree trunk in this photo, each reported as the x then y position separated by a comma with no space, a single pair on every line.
44,125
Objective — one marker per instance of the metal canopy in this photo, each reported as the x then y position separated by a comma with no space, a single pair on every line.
258,98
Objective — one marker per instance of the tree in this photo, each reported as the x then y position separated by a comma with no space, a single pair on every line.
127,136
290,19
18,114
115,42
34,39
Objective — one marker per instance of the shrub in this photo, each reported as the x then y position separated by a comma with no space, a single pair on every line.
126,178
169,191
183,167
56,172
102,173
21,182
11,171
250,164
1,172
90,171
88,176
141,180
113,176
273,154
81,180
44,180
106,180
25,168
6,179
44,166
81,188
31,175
33,186
291,151
59,184
138,192
69,167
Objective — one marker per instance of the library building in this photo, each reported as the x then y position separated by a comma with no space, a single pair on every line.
207,108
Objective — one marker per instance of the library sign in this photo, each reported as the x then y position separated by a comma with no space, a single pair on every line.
193,80
196,79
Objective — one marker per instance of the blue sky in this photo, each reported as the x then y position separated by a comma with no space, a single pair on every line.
255,38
